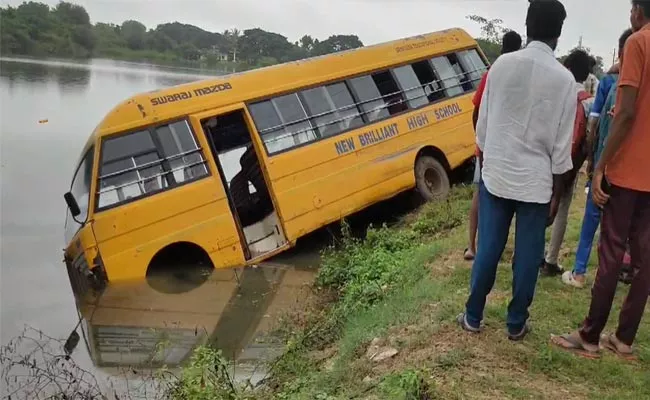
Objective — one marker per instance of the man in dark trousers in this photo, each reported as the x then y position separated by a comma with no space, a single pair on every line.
621,186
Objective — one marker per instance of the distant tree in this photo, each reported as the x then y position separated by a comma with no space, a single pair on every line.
232,37
182,33
492,31
306,43
108,38
159,41
36,18
188,52
134,34
71,13
490,49
257,43
84,35
64,30
337,43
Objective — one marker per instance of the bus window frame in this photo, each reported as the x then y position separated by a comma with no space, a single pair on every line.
356,98
164,162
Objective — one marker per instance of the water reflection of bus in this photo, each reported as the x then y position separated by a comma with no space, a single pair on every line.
160,320
232,171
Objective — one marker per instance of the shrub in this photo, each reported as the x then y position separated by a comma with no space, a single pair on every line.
362,271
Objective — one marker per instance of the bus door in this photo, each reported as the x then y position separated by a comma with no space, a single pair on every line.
230,136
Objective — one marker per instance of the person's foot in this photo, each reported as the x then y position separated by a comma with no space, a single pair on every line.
613,344
462,321
518,337
550,270
571,279
469,254
573,342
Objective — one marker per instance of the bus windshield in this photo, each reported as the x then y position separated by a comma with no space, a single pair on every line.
80,189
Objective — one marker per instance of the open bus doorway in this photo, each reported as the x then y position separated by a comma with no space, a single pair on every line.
244,182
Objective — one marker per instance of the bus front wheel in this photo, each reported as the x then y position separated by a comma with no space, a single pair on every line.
431,179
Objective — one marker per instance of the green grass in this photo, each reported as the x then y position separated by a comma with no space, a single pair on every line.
425,284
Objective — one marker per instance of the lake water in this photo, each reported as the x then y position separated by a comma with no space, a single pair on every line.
47,111
37,161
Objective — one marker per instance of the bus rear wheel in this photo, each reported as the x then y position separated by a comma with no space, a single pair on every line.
431,179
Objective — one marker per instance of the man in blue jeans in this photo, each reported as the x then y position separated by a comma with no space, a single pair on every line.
525,131
602,109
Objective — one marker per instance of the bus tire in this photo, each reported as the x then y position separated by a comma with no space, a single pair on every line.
431,179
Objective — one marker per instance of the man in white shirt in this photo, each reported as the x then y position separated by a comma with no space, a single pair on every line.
525,130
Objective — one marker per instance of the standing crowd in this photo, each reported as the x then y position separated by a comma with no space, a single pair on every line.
537,122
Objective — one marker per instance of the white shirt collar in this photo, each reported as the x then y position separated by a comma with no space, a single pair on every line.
535,44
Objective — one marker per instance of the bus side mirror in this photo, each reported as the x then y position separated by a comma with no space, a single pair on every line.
72,204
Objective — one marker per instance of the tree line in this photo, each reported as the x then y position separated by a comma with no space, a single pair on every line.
492,31
36,29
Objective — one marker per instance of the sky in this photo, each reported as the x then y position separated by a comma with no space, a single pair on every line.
599,22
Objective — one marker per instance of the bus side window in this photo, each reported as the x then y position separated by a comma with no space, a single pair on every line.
370,100
129,164
181,151
432,85
331,108
411,86
148,161
473,64
391,92
450,79
282,122
461,72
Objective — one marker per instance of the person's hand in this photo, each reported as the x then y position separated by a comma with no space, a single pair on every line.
599,196
555,205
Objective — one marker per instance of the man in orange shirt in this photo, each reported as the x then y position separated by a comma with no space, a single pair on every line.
621,186
511,42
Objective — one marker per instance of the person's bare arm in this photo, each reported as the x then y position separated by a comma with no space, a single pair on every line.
592,128
475,117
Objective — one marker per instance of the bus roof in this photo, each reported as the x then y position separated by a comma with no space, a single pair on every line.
170,103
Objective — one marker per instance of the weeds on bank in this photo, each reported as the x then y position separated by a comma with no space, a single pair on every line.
378,281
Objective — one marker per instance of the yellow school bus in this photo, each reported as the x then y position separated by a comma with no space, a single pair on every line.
233,170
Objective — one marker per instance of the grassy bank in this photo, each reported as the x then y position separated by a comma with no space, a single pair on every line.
404,286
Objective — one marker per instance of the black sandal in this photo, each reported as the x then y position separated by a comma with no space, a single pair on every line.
551,270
